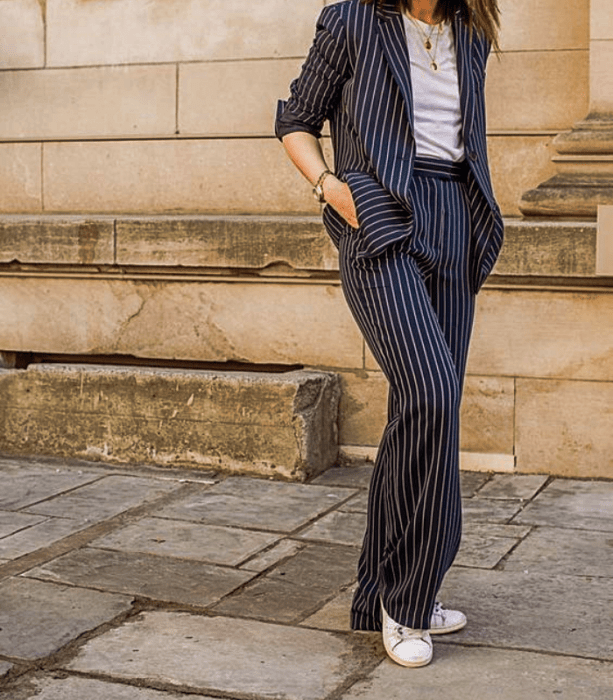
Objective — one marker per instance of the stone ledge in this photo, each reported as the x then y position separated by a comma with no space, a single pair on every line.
282,425
282,246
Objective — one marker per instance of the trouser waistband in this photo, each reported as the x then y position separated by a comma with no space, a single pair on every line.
442,169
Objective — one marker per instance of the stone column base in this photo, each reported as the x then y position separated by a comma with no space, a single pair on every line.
585,177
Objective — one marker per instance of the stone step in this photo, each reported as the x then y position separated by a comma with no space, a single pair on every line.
281,425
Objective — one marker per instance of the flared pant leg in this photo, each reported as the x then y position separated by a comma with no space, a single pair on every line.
415,307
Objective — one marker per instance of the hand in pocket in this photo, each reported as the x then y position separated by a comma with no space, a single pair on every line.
338,195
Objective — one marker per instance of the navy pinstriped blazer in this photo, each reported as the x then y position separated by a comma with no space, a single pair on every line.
357,75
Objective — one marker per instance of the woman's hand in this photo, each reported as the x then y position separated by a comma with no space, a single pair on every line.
305,152
338,195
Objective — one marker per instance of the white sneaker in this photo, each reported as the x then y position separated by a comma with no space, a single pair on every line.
445,621
406,646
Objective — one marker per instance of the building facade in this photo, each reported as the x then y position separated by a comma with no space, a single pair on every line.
148,211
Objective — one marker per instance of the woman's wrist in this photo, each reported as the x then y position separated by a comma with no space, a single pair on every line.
318,187
328,185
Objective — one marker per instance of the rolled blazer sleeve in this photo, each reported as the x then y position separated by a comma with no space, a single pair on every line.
316,92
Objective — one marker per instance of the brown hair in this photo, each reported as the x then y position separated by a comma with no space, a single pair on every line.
481,15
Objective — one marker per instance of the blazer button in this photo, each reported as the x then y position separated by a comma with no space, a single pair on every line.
473,155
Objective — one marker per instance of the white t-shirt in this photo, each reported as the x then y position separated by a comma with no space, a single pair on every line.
436,93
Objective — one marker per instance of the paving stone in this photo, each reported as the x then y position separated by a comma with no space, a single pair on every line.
512,486
471,482
106,498
357,504
38,536
273,600
173,538
480,674
13,522
335,615
327,566
490,510
57,614
87,689
23,485
484,551
582,505
492,530
265,505
575,552
296,587
485,544
281,550
343,528
225,656
358,476
541,612
5,667
160,578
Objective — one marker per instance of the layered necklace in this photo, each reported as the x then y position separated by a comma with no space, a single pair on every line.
427,39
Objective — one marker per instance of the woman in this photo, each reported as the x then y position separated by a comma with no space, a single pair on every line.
412,211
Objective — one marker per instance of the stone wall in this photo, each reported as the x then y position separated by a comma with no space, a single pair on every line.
147,210
160,106
265,290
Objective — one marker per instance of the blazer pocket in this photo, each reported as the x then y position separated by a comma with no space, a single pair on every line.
383,221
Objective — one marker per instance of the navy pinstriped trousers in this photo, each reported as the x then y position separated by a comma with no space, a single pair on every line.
415,307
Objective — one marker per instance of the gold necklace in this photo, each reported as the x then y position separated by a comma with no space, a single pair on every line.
427,40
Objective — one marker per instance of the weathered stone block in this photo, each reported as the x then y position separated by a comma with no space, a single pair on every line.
20,177
153,31
234,97
22,34
548,248
601,80
363,410
565,427
529,333
274,424
604,241
553,25
487,420
117,100
557,82
252,242
601,17
253,322
174,175
53,240
518,163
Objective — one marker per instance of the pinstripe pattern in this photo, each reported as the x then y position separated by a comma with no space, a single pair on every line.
414,306
357,75
429,235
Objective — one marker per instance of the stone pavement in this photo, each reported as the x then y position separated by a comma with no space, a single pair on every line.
144,584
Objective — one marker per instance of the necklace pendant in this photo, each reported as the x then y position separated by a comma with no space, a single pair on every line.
428,44
434,65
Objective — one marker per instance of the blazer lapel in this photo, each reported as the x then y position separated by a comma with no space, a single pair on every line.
465,74
394,43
